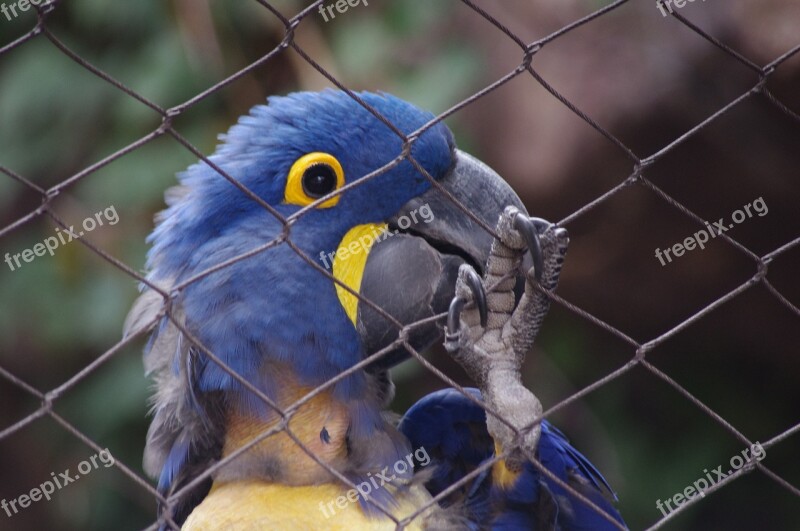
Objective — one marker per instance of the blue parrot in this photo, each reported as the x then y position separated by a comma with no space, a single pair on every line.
275,319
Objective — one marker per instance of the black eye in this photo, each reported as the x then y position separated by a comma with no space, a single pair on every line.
318,180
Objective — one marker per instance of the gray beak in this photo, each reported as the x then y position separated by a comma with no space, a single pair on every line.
412,274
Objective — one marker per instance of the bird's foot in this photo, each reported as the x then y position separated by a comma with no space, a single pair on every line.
490,338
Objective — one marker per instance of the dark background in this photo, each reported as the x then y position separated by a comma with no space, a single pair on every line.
644,78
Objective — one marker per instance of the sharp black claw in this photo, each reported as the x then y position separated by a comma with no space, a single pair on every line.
478,295
457,304
529,229
454,314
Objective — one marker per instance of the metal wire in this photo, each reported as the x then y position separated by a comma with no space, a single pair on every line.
640,166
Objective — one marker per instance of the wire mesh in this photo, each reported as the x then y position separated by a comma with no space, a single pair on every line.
526,67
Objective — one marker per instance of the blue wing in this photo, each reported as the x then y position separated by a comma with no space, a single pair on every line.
452,429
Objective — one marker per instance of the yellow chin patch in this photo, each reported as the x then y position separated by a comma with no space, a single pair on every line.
349,262
501,475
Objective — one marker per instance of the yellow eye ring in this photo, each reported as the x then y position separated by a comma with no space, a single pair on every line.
312,176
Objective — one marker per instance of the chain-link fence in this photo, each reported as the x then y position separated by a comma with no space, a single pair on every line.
640,167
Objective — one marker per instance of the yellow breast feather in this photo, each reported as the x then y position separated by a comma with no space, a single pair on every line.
257,505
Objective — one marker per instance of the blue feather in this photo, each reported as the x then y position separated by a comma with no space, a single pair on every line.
453,430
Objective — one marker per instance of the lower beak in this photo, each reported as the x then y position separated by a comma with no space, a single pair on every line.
411,275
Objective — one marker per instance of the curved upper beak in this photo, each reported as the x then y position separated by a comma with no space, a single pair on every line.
411,274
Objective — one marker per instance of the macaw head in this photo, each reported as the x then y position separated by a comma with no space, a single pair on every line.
275,310
275,306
